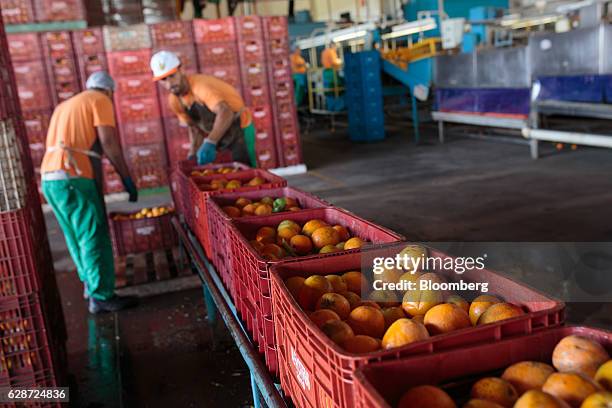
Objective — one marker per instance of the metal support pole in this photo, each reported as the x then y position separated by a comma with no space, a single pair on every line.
415,119
534,148
441,132
257,403
211,308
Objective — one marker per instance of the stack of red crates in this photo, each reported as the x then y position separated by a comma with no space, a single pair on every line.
137,107
281,89
177,37
33,90
59,10
255,88
32,333
217,50
17,11
61,65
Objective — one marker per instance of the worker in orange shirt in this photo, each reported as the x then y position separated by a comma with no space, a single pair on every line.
212,109
332,78
329,57
80,130
298,68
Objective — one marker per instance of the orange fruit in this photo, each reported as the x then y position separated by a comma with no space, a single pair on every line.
338,331
539,399
603,376
496,390
353,298
313,288
480,403
267,200
385,298
367,320
459,301
600,399
527,375
249,209
353,243
272,252
410,277
328,249
293,209
256,181
354,281
479,305
361,344
370,303
266,235
233,184
340,246
403,331
391,314
291,202
426,396
418,302
419,319
286,233
335,302
289,224
294,284
257,245
301,244
579,354
233,212
320,317
389,275
445,318
264,209
311,226
242,202
324,236
337,282
572,388
499,312
342,232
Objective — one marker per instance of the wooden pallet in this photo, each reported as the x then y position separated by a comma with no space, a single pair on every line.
146,267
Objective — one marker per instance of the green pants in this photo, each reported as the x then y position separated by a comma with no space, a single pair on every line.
249,139
78,207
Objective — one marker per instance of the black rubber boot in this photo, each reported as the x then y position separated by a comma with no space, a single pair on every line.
114,304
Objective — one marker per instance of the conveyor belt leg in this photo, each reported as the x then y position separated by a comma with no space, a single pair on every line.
211,308
415,119
441,132
257,403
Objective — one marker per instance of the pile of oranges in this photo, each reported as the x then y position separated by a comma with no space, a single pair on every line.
314,237
210,172
243,207
224,184
580,377
381,321
144,213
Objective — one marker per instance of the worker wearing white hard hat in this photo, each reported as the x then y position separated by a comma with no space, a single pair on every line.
214,111
80,130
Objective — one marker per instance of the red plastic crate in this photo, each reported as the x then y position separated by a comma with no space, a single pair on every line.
64,90
129,62
382,384
132,37
291,154
254,73
63,69
200,196
137,109
218,30
88,41
88,64
256,95
34,96
217,54
140,133
249,27
266,156
219,223
145,155
134,86
279,70
17,11
37,152
171,33
143,235
57,44
24,47
252,272
36,123
149,176
278,48
262,116
59,10
24,343
229,74
251,50
178,147
185,52
330,369
112,183
276,27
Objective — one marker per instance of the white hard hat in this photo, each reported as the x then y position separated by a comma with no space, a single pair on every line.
163,64
100,79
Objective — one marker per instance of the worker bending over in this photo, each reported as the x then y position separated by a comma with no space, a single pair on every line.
209,106
80,130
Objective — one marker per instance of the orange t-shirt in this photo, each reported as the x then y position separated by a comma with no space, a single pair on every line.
330,59
74,123
298,64
209,91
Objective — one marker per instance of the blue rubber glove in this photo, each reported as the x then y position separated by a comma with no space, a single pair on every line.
130,188
207,152
191,157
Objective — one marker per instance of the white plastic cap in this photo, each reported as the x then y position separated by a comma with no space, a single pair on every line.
102,80
163,64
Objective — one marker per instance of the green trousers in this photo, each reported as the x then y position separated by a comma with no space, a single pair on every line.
249,139
79,209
